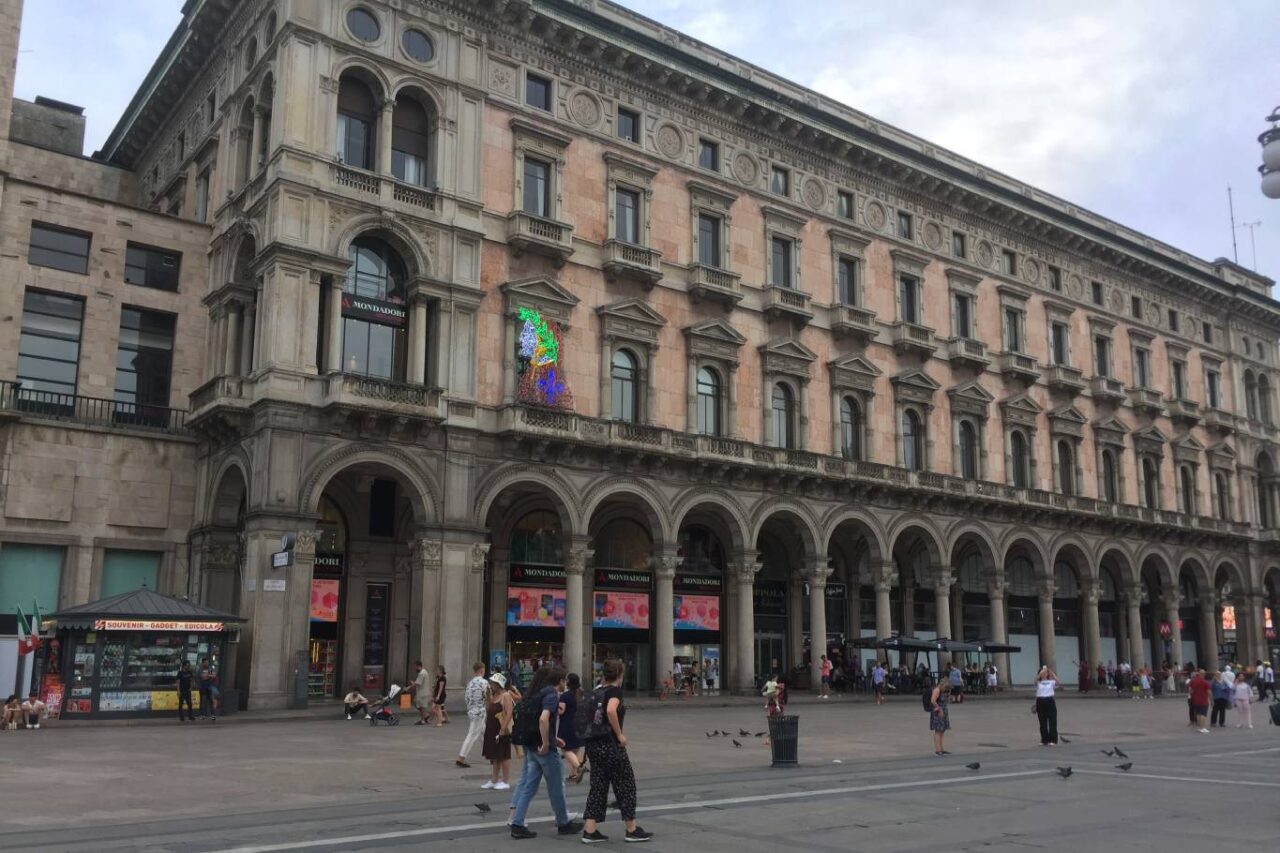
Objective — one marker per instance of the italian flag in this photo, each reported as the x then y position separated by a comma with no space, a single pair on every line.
28,632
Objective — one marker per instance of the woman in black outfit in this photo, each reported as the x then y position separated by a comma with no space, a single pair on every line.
438,697
572,748
610,766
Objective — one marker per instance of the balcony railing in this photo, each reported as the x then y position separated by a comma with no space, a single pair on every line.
785,301
1106,389
370,392
1016,365
1146,400
966,352
89,410
413,196
1218,419
1186,411
853,321
529,233
355,179
913,338
1064,378
714,283
627,260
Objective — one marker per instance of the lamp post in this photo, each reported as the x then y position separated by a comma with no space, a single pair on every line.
1270,168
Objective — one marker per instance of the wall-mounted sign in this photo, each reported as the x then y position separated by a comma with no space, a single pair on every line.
696,612
536,575
535,607
157,625
769,598
274,585
375,310
281,559
325,595
620,579
1166,629
709,584
621,610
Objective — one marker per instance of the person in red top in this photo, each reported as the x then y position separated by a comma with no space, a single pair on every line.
1200,689
826,679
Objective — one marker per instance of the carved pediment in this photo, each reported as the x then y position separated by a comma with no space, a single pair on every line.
541,294
970,398
631,319
1021,409
914,386
853,372
787,355
1222,455
1150,440
1188,449
715,339
1110,430
1067,420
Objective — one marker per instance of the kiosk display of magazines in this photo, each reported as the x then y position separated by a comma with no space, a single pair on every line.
120,656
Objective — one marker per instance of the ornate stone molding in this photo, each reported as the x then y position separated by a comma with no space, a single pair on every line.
427,554
479,553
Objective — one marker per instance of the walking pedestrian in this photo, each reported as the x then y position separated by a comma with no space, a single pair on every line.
418,690
185,679
542,757
572,749
1102,676
956,679
1199,692
1268,682
438,695
1243,700
473,697
497,733
877,682
206,683
1222,692
939,718
1047,706
1144,682
826,678
611,766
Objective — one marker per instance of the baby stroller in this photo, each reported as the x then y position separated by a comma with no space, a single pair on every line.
384,708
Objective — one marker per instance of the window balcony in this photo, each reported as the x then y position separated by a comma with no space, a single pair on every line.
1217,419
1185,412
854,322
1107,390
372,401
22,402
966,352
1064,378
529,233
713,283
912,338
220,408
785,302
413,195
1146,401
358,180
627,260
1016,365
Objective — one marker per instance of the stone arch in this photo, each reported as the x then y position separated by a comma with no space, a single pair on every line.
1121,562
721,504
1081,550
561,491
422,492
367,73
231,485
631,490
965,536
1196,567
807,525
866,524
265,90
431,98
398,235
930,537
1233,574
1074,554
1022,543
1155,562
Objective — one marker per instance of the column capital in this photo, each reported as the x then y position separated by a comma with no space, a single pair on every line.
305,543
575,562
883,575
996,588
1046,593
479,555
743,573
1209,599
664,567
427,554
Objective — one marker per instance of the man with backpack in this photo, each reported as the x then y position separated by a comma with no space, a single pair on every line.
535,730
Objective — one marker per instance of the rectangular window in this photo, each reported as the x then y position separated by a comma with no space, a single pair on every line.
963,315
1207,329
1060,351
848,275
1055,279
844,204
782,249
1102,356
182,146
210,108
537,92
1179,380
59,248
628,125
1008,262
908,296
626,212
537,188
1173,319
144,363
780,181
31,574
1141,368
709,240
1212,381
409,168
708,155
1013,330
355,141
202,197
126,571
1135,306
906,227
959,245
147,266
49,348
1095,292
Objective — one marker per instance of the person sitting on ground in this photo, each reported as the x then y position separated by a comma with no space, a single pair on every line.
355,702
12,711
33,710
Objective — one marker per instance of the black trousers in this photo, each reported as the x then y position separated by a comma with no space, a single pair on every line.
357,708
185,699
1218,716
610,766
1047,713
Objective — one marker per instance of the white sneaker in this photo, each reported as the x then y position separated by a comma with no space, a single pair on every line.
37,725
488,785
501,786
1204,731
348,716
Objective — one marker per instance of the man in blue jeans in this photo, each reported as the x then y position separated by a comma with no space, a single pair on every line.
542,759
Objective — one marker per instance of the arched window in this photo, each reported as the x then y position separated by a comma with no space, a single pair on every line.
1020,460
623,544
374,341
535,538
1223,496
1150,483
332,532
250,53
244,144
626,388
270,29
912,441
1066,468
968,451
1110,478
784,417
1250,395
1188,483
708,402
850,429
264,138
357,118
410,142
1264,399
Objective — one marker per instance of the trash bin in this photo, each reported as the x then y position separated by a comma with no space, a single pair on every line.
784,740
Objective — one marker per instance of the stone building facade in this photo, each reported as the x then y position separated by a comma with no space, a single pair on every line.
550,332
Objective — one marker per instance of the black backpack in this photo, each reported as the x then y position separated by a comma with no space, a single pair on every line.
591,722
524,729
1274,708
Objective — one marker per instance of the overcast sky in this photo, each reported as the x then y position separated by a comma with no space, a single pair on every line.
1143,111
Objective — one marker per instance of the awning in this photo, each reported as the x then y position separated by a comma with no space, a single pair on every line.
945,645
145,610
992,647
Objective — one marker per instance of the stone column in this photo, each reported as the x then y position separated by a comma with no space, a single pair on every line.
1133,601
995,595
575,641
817,577
731,409
232,349
383,164
417,341
884,612
650,391
942,602
1175,638
664,637
1048,636
1122,630
1258,627
1209,630
496,634
247,334
691,398
606,377
1092,632
333,334
802,422
510,339
278,626
745,654
427,560
255,143
795,624
957,619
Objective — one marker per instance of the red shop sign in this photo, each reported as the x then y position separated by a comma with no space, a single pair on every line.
1166,630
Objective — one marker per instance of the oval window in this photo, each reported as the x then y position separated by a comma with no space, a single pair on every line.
418,46
363,24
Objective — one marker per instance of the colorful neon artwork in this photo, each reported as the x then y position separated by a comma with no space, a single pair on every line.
542,380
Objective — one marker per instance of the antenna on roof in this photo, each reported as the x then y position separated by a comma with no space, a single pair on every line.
1231,208
1253,247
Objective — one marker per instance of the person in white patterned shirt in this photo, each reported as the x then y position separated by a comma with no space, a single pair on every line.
473,697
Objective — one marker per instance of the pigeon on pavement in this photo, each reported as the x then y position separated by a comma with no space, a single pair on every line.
744,733
482,807
735,743
1064,772
1125,767
1107,752
711,734
1120,754
761,734
974,766
1064,740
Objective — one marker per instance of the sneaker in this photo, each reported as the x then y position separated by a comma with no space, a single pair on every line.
1204,731
522,832
37,725
501,786
639,835
488,785
573,827
594,837
348,716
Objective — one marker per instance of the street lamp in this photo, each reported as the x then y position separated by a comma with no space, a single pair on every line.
1270,168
